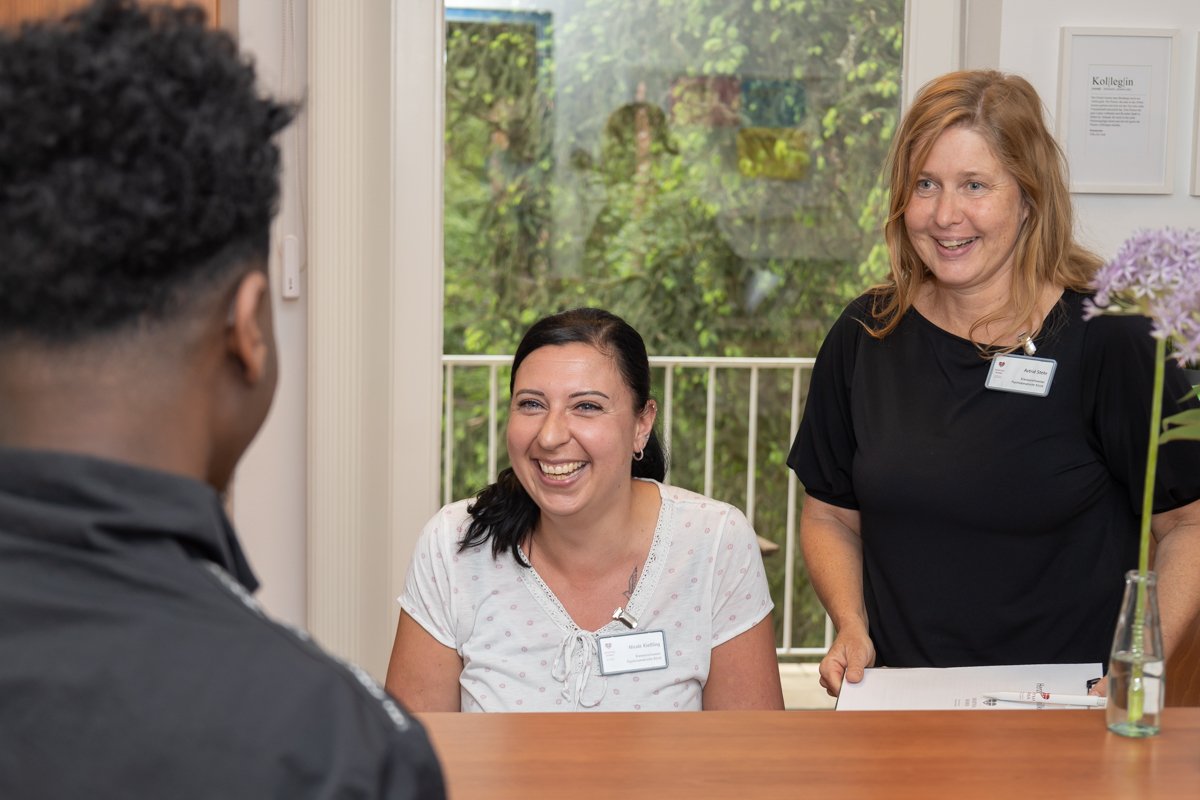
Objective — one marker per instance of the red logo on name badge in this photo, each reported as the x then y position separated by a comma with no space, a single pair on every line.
1001,364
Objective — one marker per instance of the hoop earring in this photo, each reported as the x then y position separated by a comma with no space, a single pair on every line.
639,455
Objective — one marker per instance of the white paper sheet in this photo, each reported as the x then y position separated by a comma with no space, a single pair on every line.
962,688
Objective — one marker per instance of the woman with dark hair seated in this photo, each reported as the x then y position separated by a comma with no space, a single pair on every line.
579,581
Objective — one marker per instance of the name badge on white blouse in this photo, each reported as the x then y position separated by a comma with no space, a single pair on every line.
1021,374
632,652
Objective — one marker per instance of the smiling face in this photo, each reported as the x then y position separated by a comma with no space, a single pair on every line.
965,213
573,430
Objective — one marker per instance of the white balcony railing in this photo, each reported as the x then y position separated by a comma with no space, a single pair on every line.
671,368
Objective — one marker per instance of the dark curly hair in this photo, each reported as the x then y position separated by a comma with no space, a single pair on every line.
504,512
137,165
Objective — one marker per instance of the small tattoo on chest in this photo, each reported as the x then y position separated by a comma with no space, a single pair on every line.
632,584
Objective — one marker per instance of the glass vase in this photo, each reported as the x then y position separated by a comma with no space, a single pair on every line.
1135,669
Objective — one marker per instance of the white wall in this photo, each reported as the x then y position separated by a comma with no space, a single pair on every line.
269,489
933,42
330,497
1029,45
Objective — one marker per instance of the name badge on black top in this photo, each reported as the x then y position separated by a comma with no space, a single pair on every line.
1021,374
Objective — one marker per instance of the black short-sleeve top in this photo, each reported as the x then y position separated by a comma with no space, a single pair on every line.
997,527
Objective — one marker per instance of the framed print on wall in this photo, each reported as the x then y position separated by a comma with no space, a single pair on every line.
1196,127
1114,108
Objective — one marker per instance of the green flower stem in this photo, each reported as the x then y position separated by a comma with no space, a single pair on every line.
1137,689
1160,356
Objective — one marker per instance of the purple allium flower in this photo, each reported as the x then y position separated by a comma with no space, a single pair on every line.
1156,273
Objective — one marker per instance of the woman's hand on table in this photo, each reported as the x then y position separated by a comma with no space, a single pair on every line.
851,653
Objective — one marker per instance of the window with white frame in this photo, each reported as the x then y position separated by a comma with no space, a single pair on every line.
710,170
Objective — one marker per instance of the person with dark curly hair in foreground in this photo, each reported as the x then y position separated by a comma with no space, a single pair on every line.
138,179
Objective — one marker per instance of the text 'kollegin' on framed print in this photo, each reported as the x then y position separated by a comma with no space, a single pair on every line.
1114,108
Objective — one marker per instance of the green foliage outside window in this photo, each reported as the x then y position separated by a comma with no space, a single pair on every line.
710,170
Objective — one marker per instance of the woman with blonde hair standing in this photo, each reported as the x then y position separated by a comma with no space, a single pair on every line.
973,451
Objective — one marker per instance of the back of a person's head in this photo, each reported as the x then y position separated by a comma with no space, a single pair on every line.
136,167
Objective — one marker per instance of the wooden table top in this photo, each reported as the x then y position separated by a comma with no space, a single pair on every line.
1016,755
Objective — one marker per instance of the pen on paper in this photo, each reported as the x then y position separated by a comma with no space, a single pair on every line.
1091,701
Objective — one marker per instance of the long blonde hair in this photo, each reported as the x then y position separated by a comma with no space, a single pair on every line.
1007,112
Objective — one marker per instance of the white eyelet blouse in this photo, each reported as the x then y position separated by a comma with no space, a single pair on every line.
703,584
